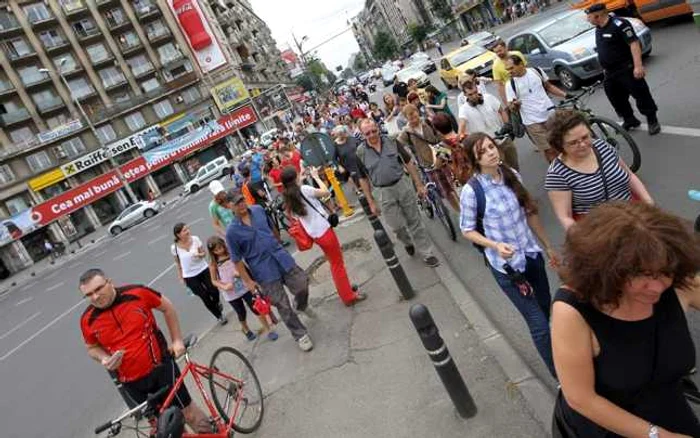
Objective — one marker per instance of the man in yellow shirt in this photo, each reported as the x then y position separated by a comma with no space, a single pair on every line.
500,74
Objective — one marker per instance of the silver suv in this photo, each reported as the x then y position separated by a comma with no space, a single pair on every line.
217,168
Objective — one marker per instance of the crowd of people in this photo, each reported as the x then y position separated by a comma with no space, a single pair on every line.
615,338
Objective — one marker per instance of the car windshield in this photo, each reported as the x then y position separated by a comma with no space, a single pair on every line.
419,57
565,29
465,55
407,73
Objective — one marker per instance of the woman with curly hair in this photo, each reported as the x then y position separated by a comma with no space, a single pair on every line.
620,335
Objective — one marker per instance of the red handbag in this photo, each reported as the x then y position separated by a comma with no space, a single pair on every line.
301,237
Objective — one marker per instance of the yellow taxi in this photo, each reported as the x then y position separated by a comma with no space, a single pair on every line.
454,64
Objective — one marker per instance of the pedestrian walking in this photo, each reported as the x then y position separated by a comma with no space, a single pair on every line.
620,55
225,276
193,270
394,120
220,216
48,248
586,172
498,214
498,70
479,81
251,242
459,163
438,46
620,337
345,152
526,93
485,113
303,203
381,162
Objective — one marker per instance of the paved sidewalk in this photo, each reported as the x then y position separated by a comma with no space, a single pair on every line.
368,374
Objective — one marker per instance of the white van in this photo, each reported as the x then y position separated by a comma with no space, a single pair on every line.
216,168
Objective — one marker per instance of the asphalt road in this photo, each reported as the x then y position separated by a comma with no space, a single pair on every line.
668,167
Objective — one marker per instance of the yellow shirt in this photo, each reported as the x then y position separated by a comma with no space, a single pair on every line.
499,67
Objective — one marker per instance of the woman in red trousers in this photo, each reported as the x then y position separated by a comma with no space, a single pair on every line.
303,203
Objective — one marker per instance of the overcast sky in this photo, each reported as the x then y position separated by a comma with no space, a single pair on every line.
317,19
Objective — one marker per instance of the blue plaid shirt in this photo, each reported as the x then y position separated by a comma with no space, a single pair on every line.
504,221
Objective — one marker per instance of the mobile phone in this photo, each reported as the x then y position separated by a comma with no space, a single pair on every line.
116,356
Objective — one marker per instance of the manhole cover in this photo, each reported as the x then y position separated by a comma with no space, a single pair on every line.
354,253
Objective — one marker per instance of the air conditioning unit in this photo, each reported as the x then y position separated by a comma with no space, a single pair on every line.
59,152
179,99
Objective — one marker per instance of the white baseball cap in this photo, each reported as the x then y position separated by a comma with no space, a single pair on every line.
216,187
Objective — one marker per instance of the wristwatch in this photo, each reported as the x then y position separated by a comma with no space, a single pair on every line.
653,431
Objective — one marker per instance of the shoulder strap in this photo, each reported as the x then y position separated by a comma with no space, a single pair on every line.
601,170
480,203
515,89
310,204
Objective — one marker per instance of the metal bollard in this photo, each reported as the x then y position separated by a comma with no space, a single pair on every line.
392,262
444,365
373,220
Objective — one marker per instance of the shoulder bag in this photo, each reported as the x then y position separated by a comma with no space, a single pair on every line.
332,218
295,229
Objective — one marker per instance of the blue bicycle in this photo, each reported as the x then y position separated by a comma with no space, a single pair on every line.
432,204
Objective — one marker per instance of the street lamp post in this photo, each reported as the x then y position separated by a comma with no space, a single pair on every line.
130,193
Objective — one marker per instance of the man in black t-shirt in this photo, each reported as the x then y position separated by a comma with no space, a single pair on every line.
620,55
400,88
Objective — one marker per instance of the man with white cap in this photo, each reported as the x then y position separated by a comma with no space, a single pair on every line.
220,216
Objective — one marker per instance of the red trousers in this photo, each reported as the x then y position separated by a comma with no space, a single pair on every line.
334,254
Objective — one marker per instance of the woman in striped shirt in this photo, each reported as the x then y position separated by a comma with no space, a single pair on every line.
587,172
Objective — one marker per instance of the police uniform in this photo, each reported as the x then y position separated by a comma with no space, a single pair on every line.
613,45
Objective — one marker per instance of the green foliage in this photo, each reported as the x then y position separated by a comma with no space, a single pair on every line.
359,64
442,9
305,82
419,32
385,46
347,73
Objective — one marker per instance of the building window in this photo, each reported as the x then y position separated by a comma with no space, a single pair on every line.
129,40
116,17
173,73
31,75
17,204
135,121
57,121
80,88
37,12
121,97
52,38
19,47
150,85
46,99
72,5
85,28
163,108
21,135
106,133
139,65
191,94
156,29
168,53
69,65
39,161
6,174
73,147
98,52
111,76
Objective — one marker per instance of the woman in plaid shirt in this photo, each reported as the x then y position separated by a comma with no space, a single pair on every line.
511,229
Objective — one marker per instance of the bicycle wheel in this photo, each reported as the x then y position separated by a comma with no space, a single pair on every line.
236,390
620,139
444,215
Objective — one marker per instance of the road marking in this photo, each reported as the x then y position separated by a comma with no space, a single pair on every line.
183,214
53,274
101,253
28,285
26,300
121,256
159,276
20,325
196,221
676,130
151,242
74,265
41,330
55,286
130,239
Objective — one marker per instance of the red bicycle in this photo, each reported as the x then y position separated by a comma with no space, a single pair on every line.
235,403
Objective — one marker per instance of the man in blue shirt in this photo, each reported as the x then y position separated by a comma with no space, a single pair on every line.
252,242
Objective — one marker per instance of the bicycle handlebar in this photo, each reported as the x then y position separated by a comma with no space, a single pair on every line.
148,403
584,91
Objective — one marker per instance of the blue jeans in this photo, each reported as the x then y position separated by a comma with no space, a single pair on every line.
534,308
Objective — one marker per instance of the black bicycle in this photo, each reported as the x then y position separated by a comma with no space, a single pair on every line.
605,128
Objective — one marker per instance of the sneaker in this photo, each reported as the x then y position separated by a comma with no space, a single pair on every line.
654,128
631,123
250,335
272,336
432,261
222,320
358,298
410,249
305,343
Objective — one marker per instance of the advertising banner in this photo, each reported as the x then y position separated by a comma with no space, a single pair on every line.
273,100
16,227
195,25
229,93
60,131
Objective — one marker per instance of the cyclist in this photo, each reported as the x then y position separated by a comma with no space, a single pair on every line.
120,332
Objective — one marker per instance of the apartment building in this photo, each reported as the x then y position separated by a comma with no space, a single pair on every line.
80,77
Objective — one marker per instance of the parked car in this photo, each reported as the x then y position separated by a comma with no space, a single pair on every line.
455,63
412,72
483,39
564,47
422,61
132,215
365,78
217,168
268,137
388,74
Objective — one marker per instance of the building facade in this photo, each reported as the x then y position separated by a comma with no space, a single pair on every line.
81,77
392,16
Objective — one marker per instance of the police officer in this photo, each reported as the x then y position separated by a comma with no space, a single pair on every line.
620,55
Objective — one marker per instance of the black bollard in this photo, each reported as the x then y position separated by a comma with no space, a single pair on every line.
392,262
373,220
444,365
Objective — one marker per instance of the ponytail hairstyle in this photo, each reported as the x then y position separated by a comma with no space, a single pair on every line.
292,192
177,229
475,145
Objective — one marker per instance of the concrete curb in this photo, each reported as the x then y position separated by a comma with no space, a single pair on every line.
539,397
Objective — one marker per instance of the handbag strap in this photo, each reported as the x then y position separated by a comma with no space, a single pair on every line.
601,170
312,206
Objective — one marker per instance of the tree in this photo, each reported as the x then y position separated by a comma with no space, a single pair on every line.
359,64
385,46
305,82
347,73
443,10
419,33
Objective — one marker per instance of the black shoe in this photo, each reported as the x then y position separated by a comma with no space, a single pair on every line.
631,123
654,128
410,249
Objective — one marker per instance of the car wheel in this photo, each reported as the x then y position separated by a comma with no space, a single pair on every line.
149,213
115,230
194,188
569,80
225,171
446,84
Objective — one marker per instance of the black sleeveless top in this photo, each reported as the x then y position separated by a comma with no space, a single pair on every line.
639,367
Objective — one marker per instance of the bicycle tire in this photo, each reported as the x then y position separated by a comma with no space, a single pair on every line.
445,218
607,125
232,388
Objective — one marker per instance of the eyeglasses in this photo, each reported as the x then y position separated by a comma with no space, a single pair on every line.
582,140
371,131
99,289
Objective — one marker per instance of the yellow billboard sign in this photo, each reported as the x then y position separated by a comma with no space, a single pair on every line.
228,94
46,179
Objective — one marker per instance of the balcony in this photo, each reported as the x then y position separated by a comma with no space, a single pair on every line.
161,35
115,23
9,25
129,48
39,21
169,61
14,56
16,116
54,45
146,10
83,93
76,69
102,60
51,104
143,71
36,79
86,34
6,87
101,3
73,7
117,83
